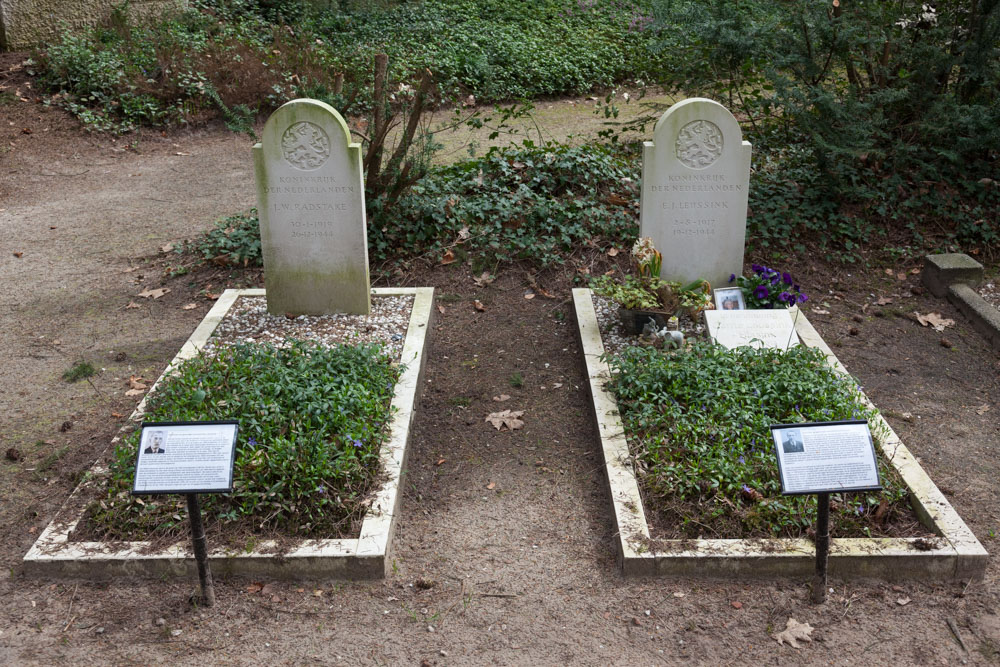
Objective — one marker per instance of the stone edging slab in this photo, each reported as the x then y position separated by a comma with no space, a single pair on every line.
955,554
954,276
363,558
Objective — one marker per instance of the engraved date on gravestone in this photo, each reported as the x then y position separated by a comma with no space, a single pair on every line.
305,146
699,144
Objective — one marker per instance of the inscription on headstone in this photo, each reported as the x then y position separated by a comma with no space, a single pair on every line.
756,328
695,182
311,204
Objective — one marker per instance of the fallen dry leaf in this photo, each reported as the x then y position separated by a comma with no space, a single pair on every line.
613,252
507,419
504,397
18,254
883,301
211,296
441,309
484,279
131,393
903,601
915,271
167,248
982,409
131,304
678,594
440,461
529,295
820,311
888,272
255,587
793,632
190,306
117,415
135,382
737,605
935,320
491,486
478,305
448,257
900,276
318,592
154,293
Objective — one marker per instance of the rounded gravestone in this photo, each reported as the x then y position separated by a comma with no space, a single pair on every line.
311,204
695,183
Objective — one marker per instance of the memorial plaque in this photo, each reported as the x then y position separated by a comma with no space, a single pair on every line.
695,183
826,457
756,328
186,457
311,204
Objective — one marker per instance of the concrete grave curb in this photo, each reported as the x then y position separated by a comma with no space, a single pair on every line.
955,276
955,554
366,557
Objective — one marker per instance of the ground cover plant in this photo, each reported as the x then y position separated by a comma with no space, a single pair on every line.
536,203
698,422
311,426
242,58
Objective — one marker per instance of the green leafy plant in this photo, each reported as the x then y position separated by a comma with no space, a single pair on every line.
81,370
235,239
312,422
698,420
633,292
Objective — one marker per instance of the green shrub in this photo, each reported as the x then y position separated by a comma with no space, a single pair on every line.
870,121
698,423
312,422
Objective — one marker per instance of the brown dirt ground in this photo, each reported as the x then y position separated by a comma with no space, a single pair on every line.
534,553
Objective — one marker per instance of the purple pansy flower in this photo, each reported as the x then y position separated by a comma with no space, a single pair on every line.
803,298
761,292
786,297
732,277
787,278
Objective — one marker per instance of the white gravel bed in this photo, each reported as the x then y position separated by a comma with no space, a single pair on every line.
991,292
613,334
248,321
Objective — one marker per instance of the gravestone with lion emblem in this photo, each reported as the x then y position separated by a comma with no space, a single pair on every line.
311,205
695,182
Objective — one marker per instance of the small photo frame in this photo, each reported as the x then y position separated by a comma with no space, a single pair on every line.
729,298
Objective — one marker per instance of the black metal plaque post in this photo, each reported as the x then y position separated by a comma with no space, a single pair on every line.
201,550
822,547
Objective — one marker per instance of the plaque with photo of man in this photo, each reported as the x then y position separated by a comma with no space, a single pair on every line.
826,457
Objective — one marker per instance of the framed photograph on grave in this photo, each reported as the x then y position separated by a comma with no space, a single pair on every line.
826,457
185,457
729,298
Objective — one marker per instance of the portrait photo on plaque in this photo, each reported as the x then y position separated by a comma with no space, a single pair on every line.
826,457
185,457
729,298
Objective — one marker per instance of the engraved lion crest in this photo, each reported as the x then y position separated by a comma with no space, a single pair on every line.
305,146
699,144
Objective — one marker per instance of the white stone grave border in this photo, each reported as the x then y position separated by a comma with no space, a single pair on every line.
955,554
366,557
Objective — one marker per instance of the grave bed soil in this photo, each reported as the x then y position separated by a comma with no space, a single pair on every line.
362,556
952,552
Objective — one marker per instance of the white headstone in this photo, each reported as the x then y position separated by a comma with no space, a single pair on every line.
756,328
695,182
311,204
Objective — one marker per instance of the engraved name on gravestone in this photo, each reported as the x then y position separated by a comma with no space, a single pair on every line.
311,204
756,328
695,182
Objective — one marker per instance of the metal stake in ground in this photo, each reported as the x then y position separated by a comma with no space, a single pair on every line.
822,547
200,550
